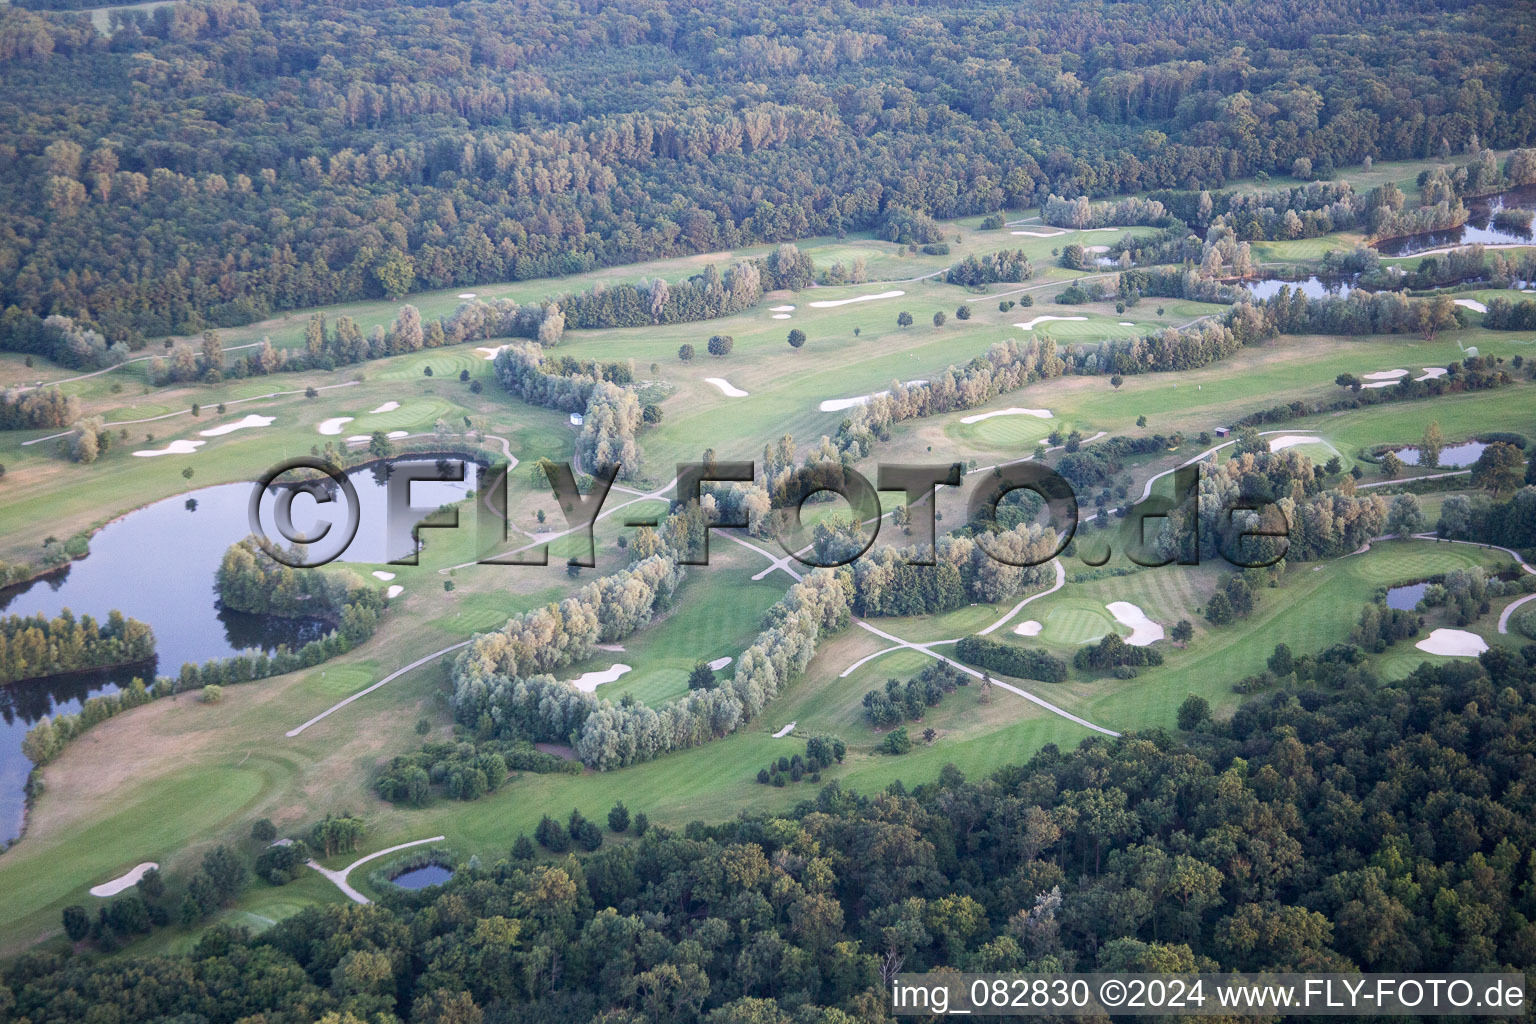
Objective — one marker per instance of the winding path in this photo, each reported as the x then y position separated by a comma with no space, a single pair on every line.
1061,581
396,674
340,877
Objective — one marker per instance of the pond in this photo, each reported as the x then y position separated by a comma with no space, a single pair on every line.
1311,287
1406,597
422,877
1452,456
157,564
1479,228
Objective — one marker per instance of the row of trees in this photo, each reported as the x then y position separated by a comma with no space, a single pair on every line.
990,268
820,752
1080,213
35,646
462,770
1012,659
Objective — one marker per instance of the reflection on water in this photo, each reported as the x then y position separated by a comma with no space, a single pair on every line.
420,878
1479,228
158,564
1406,598
1312,287
1452,456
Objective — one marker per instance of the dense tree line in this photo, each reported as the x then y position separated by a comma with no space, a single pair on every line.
250,580
1012,659
331,180
1114,655
1509,523
1080,213
887,580
32,647
1309,832
38,409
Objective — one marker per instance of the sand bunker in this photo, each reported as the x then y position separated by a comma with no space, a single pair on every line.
1127,323
174,448
784,731
1043,414
617,648
1453,643
1029,325
720,663
380,574
1384,375
727,389
394,591
839,404
590,681
1039,234
1280,444
252,420
466,295
829,303
122,882
386,407
334,425
1030,628
1472,304
491,353
781,316
359,438
1431,372
781,309
1143,630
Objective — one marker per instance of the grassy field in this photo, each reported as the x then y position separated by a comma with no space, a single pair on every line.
169,780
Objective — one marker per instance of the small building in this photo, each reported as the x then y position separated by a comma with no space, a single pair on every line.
1223,431
576,419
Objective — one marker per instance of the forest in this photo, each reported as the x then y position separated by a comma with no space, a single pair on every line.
34,647
1353,826
208,164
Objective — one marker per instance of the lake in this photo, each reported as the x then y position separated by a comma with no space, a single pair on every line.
1479,228
1406,597
157,564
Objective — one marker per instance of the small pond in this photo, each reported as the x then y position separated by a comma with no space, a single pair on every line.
1406,597
1478,229
1311,287
157,564
1452,456
422,877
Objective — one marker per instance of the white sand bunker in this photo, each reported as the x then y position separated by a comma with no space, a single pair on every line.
1431,372
1472,304
252,420
1384,375
334,425
781,316
1043,414
394,591
1280,444
829,303
122,882
1038,234
1029,325
174,448
1030,628
590,681
720,663
727,389
1127,323
386,407
395,435
380,574
1143,630
1453,643
466,295
490,353
781,309
839,404
784,731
